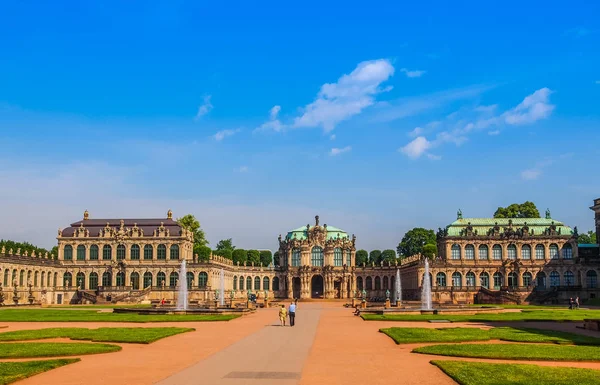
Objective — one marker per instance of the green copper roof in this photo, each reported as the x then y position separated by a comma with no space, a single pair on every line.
332,232
483,225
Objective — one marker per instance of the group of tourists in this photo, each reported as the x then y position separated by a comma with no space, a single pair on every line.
574,304
289,312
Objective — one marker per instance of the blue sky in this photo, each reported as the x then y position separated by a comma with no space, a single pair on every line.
257,116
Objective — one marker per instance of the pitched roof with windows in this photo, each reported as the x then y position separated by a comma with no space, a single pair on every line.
537,226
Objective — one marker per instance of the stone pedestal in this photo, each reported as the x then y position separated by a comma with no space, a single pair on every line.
266,303
387,303
353,302
363,305
216,302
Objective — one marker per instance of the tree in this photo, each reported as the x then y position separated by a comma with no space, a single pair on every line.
254,257
276,258
515,210
189,222
203,252
387,256
266,258
413,241
374,256
429,250
25,247
239,256
589,238
362,256
226,244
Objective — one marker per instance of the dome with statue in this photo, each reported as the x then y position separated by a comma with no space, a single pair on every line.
303,232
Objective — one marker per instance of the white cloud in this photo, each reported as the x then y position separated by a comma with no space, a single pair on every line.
531,174
434,157
242,169
416,148
486,109
332,137
337,151
274,124
418,131
205,108
274,112
219,136
413,73
494,133
533,108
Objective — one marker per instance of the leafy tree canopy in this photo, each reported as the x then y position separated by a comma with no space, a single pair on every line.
589,237
276,258
203,252
523,210
254,257
226,253
388,256
429,250
266,258
413,241
362,256
190,223
225,244
25,247
239,255
375,256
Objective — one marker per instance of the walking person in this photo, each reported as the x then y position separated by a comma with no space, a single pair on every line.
577,303
282,315
571,303
292,313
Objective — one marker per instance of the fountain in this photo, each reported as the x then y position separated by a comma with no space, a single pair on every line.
398,292
222,289
182,294
426,289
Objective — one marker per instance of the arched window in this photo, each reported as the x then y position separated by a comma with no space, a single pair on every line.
107,252
106,279
512,279
248,283
275,283
49,279
266,283
203,280
135,280
483,252
386,283
241,283
338,257
498,281
455,251
173,279
296,257
541,280
527,279
161,252
148,251
93,280
80,280
257,283
554,251
68,253
174,252
377,283
469,252
120,253
569,278
440,279
369,283
456,279
135,252
511,252
540,252
35,279
55,280
470,278
42,280
14,276
6,276
591,279
189,279
94,252
317,256
147,279
234,282
121,278
81,253
22,278
161,279
497,252
567,251
349,258
28,277
554,279
359,283
525,252
67,279
484,280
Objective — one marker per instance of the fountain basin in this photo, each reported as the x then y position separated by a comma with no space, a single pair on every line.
189,310
450,310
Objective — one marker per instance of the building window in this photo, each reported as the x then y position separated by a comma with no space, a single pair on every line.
338,257
107,252
469,252
248,283
540,252
359,283
6,276
483,252
377,283
55,281
591,279
369,283
22,278
497,252
554,279
554,251
161,279
266,283
511,252
241,283
484,280
173,279
93,280
512,279
525,252
120,279
174,252
106,279
567,251
81,253
203,280
256,283
68,253
42,281
275,283
135,252
440,279
456,279
161,252
296,257
541,280
189,279
317,256
148,251
94,252
234,282
527,279
349,258
569,278
135,280
67,280
497,277
470,278
386,283
147,279
120,253
455,251
80,280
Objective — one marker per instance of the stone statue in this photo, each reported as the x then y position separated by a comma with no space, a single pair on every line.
249,293
266,294
216,295
459,214
1,296
548,214
364,295
316,220
231,294
387,294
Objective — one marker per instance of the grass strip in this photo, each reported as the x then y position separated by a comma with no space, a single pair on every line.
481,373
535,315
14,371
52,349
126,335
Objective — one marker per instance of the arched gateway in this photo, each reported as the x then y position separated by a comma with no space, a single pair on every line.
316,286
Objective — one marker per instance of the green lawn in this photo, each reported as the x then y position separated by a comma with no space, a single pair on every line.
479,373
524,315
55,315
419,335
15,371
540,352
132,306
128,335
52,349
